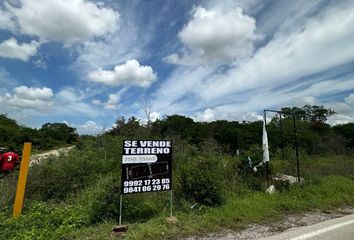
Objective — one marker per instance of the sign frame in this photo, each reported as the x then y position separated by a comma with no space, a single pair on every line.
146,166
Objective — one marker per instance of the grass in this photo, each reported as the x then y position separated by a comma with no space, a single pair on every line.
88,207
326,193
310,166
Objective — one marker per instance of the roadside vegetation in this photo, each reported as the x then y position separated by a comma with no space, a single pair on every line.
76,196
49,136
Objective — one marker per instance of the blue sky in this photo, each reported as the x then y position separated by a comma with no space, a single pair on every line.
87,63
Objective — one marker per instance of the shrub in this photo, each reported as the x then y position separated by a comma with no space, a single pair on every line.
199,180
56,178
101,200
43,221
142,207
8,186
282,186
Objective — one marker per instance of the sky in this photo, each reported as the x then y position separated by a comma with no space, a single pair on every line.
88,63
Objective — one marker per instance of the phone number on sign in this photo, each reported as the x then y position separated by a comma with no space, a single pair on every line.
148,182
152,188
148,185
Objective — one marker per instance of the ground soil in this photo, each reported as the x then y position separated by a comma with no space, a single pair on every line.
258,231
37,158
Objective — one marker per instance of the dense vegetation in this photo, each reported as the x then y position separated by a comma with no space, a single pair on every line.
50,135
76,196
314,135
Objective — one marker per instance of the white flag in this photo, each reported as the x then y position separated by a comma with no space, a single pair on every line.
265,144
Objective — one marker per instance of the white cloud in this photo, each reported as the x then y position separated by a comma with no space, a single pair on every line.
70,102
250,116
119,46
6,21
330,87
96,102
64,20
281,72
284,16
130,73
40,62
252,6
112,103
308,100
289,57
350,99
28,98
6,79
344,111
217,36
68,95
12,49
90,127
228,113
340,107
172,95
340,119
260,100
33,93
207,116
154,116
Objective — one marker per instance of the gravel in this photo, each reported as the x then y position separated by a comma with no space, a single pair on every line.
257,231
37,158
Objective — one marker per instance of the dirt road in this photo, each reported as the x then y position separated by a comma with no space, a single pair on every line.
38,158
338,228
257,231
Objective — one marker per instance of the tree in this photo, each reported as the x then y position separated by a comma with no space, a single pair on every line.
347,131
59,132
145,104
9,130
311,113
127,128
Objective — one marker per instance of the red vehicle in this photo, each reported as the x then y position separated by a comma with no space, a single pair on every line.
8,161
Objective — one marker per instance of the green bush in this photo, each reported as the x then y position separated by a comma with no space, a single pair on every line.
42,222
101,200
8,186
199,180
142,207
56,178
282,186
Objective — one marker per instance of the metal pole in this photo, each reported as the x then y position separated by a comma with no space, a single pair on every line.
281,136
171,202
22,178
296,148
120,209
267,163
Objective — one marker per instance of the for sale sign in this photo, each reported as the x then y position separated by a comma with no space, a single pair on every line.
146,166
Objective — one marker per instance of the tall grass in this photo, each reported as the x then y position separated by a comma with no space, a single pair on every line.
77,196
254,207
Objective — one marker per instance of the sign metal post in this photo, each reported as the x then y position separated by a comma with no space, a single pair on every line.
146,167
120,209
296,148
171,203
295,137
